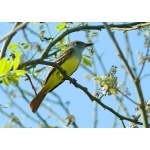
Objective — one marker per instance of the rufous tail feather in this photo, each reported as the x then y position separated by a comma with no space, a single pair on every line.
35,103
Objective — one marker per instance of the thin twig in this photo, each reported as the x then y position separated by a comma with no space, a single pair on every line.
61,103
128,97
31,83
123,124
17,27
143,65
128,49
55,115
26,36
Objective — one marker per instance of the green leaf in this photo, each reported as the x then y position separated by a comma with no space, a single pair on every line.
12,46
39,70
94,32
16,120
27,46
22,43
17,60
41,33
87,61
6,81
19,72
13,78
3,64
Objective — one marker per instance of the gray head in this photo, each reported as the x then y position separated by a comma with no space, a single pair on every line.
79,45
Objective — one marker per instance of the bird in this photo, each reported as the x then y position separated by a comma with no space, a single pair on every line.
69,60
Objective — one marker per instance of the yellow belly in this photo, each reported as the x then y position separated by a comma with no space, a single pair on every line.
70,65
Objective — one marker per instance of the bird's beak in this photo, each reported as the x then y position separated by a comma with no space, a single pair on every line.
87,44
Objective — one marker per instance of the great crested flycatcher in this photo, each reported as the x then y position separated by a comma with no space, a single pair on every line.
69,60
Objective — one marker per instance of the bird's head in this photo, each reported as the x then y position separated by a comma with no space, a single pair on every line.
79,45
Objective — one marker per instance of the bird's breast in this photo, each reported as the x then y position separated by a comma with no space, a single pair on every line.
69,65
72,63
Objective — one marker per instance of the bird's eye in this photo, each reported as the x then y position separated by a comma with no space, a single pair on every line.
77,43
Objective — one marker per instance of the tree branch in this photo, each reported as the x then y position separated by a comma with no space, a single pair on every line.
68,31
17,27
85,27
85,90
135,80
9,36
34,63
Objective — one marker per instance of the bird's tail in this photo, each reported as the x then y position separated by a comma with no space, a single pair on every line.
35,103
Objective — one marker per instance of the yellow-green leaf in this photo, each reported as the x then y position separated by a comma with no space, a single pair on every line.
17,60
12,46
63,48
63,23
9,65
3,64
113,91
87,61
6,81
87,56
60,27
19,72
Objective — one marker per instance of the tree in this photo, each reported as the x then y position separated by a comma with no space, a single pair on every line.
120,81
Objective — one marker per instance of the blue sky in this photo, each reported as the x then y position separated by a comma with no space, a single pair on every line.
81,106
